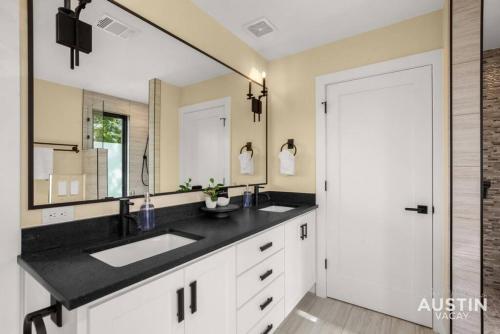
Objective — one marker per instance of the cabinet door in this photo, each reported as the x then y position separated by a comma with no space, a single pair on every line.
211,294
300,268
151,308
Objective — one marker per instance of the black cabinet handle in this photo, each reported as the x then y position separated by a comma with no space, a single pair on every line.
180,305
268,329
266,246
266,274
266,303
194,298
419,209
302,232
305,229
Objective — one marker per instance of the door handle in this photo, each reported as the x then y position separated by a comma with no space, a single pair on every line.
180,305
423,209
194,298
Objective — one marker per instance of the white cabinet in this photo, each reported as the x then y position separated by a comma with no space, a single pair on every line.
300,259
151,308
198,299
211,294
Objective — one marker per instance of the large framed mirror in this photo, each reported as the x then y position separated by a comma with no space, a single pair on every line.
119,106
491,165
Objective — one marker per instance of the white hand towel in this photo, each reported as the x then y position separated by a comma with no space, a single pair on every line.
246,163
287,163
43,163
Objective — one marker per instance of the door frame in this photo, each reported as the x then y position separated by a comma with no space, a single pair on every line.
224,102
440,254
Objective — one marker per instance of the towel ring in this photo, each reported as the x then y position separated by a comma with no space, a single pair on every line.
248,147
290,146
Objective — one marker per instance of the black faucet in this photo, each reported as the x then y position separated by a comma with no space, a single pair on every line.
126,217
256,194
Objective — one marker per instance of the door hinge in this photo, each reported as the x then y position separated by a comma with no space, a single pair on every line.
326,185
325,104
326,264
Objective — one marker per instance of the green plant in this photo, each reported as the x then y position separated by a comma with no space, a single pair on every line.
213,189
186,186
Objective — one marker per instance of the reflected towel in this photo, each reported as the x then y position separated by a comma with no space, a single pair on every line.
246,163
43,163
287,163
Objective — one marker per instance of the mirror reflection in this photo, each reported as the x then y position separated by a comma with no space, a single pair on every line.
141,112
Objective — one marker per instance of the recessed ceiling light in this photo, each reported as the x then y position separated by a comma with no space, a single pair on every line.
260,27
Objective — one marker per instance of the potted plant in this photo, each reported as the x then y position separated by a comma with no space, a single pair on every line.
186,186
212,193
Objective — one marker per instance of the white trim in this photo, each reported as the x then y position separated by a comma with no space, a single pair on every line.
434,59
224,102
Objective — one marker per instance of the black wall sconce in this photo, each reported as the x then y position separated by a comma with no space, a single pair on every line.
72,32
257,101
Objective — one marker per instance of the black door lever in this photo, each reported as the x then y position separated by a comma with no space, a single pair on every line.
419,209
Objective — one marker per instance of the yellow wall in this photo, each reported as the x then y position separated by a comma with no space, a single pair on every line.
292,87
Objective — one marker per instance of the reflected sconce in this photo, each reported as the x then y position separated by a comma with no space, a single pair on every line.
72,32
257,101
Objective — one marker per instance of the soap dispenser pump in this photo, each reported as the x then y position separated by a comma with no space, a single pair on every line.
147,214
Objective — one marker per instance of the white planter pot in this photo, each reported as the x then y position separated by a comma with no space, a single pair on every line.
222,201
209,203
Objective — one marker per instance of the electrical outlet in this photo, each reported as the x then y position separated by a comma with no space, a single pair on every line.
58,215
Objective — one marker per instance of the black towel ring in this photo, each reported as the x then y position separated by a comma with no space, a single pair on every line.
248,147
290,146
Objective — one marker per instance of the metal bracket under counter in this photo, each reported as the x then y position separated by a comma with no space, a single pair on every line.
36,318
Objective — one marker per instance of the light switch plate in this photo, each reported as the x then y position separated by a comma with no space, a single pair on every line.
58,215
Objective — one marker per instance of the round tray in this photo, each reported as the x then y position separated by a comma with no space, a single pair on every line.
221,211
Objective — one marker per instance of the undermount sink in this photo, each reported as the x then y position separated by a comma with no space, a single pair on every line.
122,255
277,208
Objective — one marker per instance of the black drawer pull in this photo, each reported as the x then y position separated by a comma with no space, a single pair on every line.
194,299
266,246
305,229
268,329
302,231
266,303
180,305
266,274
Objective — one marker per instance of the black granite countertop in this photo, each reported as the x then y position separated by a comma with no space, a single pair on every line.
75,278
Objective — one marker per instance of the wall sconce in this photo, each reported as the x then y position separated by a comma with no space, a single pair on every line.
73,33
257,101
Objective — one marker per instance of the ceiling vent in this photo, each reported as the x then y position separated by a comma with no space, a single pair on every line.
260,27
115,27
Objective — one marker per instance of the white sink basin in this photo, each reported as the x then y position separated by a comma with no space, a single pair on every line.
122,255
277,208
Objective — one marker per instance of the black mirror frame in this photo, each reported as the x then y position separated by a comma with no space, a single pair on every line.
31,204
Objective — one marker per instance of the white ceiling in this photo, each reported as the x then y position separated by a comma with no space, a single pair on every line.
491,33
304,24
117,66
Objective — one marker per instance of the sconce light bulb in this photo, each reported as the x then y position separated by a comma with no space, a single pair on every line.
263,75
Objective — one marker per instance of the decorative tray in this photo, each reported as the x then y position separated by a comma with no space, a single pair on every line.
221,211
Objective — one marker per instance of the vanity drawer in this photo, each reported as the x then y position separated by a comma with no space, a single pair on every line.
258,277
261,305
271,321
256,249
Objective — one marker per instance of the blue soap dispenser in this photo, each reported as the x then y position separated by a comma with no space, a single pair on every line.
147,214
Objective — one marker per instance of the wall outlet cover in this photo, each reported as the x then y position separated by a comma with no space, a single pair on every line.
58,215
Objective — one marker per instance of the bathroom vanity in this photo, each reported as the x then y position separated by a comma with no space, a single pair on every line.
242,274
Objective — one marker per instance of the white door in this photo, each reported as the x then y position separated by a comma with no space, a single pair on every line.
379,162
211,294
205,142
152,308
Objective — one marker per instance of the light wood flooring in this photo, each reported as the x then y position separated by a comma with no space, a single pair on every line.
328,316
